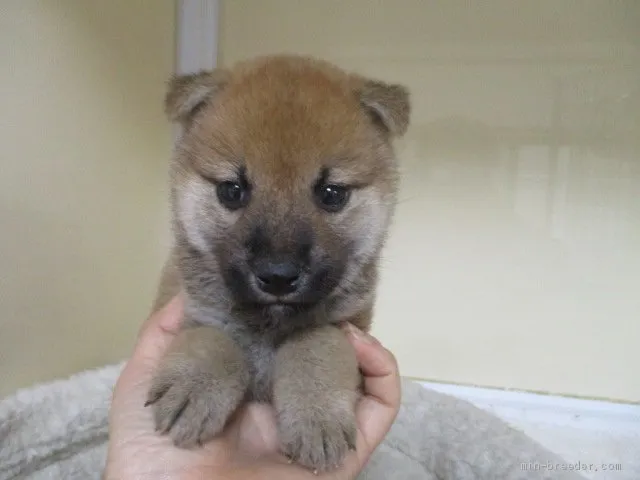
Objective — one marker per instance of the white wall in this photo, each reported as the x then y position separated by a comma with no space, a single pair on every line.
83,149
515,256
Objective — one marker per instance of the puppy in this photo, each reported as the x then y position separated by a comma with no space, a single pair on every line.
283,185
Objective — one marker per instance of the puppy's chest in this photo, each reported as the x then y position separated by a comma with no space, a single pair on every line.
260,356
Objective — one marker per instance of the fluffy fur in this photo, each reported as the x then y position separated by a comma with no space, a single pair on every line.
283,130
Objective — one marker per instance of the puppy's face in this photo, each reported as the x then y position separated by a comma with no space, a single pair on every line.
284,179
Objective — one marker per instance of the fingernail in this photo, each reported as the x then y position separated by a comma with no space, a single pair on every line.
360,335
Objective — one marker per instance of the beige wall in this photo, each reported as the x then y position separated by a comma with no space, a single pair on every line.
83,146
515,256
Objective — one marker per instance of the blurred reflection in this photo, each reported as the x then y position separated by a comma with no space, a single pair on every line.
519,231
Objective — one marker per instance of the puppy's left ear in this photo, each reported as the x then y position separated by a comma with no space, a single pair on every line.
388,105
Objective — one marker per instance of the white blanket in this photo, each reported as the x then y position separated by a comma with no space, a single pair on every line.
59,431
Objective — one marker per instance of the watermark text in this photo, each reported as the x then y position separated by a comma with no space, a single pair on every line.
570,467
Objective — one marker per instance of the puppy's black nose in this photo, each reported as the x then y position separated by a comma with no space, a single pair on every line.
278,277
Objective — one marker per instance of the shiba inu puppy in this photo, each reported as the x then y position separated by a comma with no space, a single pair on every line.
283,185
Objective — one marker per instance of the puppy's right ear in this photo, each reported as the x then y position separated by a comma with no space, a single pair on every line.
188,93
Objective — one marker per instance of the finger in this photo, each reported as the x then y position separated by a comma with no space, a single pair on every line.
131,388
379,367
154,338
378,408
158,331
167,318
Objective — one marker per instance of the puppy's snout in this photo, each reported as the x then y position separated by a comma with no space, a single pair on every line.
278,276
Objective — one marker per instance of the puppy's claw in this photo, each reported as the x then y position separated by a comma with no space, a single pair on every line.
153,397
350,438
156,392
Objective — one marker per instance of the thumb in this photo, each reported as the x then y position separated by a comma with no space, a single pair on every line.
155,335
380,404
158,331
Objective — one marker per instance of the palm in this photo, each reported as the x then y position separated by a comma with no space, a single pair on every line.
252,431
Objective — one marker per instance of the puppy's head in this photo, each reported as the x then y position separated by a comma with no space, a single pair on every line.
283,181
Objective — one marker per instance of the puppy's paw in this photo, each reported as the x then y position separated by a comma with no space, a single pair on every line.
191,402
318,434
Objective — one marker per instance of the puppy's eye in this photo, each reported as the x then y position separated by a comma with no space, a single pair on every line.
232,195
332,198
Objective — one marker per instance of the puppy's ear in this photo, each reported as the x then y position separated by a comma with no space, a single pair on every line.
387,104
186,94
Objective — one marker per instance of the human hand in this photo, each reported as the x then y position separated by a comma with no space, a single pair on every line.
248,447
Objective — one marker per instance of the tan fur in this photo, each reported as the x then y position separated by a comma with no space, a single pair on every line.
281,126
319,361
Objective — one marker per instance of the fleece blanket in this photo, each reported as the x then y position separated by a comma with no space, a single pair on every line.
58,430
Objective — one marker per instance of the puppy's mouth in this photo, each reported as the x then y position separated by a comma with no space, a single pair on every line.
276,311
284,304
287,307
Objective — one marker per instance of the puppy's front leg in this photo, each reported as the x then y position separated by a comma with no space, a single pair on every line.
199,384
316,381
